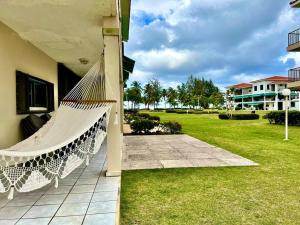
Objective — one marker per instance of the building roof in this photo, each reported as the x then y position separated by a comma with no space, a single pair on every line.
241,85
273,79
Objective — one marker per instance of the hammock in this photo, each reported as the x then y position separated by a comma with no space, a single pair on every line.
71,136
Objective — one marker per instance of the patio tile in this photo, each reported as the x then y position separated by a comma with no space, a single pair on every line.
107,187
105,196
51,199
176,151
23,200
71,209
87,181
176,163
102,207
8,222
208,162
86,188
38,221
60,190
13,212
82,197
103,219
41,211
69,220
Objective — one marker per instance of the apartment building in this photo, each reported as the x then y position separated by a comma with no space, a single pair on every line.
263,94
294,46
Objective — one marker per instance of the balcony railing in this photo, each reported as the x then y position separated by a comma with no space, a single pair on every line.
295,3
294,37
294,74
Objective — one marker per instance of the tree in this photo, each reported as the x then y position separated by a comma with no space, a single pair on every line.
172,97
134,94
164,95
182,94
156,92
217,99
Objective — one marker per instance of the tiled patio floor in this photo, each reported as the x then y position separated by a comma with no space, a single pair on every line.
174,151
86,197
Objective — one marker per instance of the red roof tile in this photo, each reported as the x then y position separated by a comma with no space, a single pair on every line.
241,85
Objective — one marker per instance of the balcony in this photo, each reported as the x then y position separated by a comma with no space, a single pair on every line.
295,4
294,41
294,79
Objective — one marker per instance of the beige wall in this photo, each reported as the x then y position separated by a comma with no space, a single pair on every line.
17,54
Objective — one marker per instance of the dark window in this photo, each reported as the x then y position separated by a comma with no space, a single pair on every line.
33,94
255,88
261,87
293,104
268,87
67,79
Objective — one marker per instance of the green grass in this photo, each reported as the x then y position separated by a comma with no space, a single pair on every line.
267,194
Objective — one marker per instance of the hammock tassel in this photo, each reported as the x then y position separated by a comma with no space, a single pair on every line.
87,160
56,182
11,193
116,122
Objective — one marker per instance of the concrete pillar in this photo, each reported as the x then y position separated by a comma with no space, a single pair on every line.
299,100
276,97
114,87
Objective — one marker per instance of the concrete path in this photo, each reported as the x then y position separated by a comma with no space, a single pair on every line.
85,197
175,151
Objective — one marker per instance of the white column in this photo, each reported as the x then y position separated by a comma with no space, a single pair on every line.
114,87
242,98
276,97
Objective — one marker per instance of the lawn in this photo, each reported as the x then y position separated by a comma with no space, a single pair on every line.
266,194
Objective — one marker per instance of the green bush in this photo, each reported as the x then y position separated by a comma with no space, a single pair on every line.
191,111
172,127
278,117
252,116
142,126
170,111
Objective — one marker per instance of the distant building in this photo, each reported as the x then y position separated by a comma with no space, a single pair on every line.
294,46
263,94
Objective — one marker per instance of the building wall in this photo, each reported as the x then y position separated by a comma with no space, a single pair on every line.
17,54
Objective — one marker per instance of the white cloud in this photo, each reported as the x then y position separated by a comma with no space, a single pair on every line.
291,55
168,58
141,76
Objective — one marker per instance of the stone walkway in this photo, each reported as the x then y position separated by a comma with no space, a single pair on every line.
175,151
86,197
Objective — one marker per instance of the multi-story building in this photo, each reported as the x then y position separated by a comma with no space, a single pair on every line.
263,94
294,46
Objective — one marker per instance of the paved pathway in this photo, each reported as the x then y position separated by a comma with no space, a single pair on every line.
174,151
86,197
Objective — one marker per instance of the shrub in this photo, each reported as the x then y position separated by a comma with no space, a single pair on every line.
278,117
156,118
143,115
172,127
170,111
142,126
239,116
191,111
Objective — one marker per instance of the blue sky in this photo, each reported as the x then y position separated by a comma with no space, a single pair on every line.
228,41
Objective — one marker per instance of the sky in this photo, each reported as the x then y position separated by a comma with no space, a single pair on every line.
227,41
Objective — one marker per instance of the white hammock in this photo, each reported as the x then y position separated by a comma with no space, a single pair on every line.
75,132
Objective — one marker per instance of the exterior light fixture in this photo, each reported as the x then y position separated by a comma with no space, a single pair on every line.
286,93
83,61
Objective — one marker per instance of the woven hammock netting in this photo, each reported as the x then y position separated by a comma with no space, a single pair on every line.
74,133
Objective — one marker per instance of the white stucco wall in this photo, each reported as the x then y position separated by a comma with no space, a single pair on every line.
17,54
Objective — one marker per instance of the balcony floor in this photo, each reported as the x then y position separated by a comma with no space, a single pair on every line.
86,197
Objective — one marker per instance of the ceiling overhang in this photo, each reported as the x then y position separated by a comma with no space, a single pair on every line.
69,31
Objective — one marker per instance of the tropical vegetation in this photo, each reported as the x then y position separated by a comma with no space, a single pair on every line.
194,93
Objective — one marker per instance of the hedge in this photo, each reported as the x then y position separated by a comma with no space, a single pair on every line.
251,116
278,117
190,111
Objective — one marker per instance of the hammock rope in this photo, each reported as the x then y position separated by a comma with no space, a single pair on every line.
71,137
